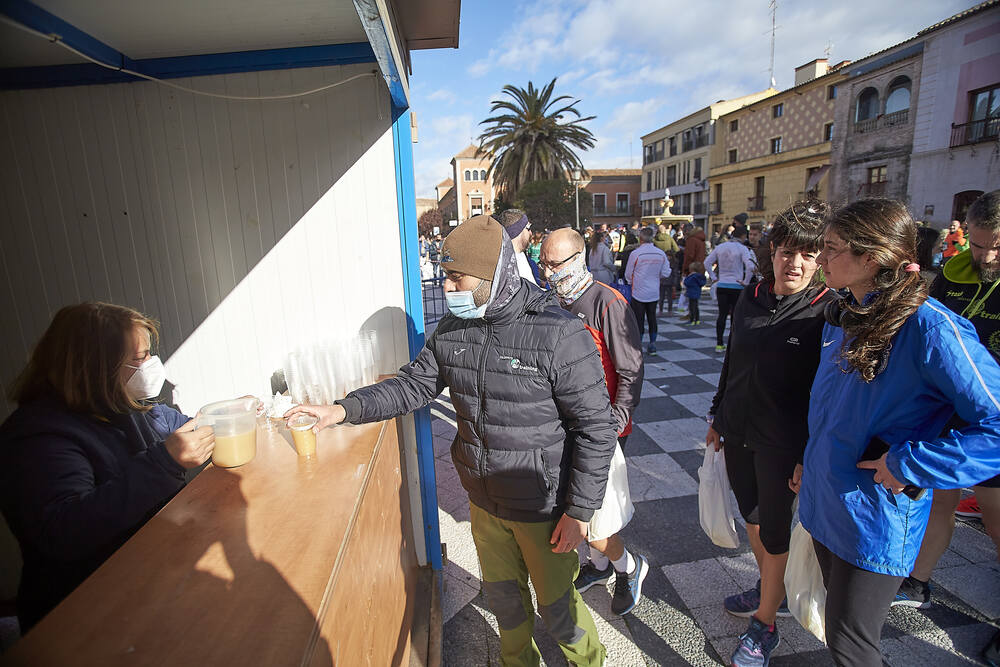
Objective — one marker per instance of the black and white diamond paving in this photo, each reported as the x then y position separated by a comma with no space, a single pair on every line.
680,620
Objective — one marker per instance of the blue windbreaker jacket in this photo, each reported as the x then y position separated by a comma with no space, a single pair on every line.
936,367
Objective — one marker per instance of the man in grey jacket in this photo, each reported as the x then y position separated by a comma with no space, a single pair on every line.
535,434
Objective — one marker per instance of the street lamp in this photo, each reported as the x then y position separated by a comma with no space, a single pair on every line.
576,184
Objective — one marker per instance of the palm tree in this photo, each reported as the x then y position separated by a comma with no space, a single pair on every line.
527,142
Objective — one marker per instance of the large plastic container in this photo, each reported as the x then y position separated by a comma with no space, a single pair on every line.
235,426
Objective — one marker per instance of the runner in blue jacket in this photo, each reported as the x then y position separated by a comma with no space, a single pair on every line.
895,365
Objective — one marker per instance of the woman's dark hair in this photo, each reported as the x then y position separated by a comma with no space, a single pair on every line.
927,242
883,230
596,239
79,358
798,227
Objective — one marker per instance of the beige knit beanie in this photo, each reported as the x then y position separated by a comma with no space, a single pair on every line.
474,247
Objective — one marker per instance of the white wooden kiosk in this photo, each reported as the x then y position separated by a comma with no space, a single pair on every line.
247,227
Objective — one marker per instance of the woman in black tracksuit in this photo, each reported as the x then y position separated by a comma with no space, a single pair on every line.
760,410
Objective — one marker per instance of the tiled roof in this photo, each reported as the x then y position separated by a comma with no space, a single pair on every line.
446,183
614,172
961,15
937,26
469,151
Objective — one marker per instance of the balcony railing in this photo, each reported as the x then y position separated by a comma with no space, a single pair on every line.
691,144
700,208
863,126
986,129
716,210
876,189
755,203
901,117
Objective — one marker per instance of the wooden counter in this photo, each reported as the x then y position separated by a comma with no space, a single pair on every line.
282,561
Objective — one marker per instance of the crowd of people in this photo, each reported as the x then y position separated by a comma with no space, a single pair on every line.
855,380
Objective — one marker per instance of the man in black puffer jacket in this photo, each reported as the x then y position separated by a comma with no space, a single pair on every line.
535,434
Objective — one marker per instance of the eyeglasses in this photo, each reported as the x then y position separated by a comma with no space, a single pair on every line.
554,265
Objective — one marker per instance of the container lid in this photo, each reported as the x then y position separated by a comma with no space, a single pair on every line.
302,422
230,408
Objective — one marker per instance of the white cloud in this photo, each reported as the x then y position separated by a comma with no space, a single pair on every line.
641,65
442,95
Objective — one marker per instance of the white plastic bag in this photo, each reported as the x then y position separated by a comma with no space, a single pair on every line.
617,508
714,510
804,584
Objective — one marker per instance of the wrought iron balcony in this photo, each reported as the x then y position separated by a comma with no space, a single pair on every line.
876,189
755,203
986,129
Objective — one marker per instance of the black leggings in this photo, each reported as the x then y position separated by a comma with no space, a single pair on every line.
647,310
857,602
726,297
759,479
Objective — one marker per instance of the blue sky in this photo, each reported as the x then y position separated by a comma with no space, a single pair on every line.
636,65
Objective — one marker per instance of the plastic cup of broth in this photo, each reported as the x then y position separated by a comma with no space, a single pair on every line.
301,426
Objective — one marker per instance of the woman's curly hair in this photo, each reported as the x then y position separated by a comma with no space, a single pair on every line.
883,230
798,227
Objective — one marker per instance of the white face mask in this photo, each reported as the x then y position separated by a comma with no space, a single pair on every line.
148,379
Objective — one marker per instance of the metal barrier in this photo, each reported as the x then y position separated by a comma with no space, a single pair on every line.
434,304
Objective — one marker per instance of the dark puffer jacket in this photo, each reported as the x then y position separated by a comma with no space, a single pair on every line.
535,428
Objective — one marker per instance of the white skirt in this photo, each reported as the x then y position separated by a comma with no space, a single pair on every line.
617,509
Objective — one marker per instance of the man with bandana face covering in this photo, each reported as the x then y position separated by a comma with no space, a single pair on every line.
612,325
535,434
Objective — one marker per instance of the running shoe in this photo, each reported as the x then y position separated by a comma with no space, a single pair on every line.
651,349
913,593
720,348
969,508
745,604
591,576
756,646
628,587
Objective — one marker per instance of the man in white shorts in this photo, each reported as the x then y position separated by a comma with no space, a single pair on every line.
610,320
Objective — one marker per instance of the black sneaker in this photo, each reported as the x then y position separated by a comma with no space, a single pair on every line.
628,587
590,575
913,593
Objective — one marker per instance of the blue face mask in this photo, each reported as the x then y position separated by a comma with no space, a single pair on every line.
461,304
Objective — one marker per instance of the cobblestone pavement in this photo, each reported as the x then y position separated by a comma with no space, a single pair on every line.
680,620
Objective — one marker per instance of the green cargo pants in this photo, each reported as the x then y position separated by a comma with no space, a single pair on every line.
510,551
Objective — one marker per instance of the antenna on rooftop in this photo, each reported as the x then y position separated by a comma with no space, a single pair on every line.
774,11
828,50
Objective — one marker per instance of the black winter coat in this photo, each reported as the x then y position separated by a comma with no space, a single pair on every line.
74,488
535,428
774,349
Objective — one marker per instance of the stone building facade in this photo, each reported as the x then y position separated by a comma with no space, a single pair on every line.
615,193
777,150
474,193
677,160
873,125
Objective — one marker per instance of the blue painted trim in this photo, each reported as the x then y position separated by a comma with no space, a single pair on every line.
402,143
182,66
378,36
33,16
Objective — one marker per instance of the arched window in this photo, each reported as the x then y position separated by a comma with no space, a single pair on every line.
482,174
867,108
468,175
898,97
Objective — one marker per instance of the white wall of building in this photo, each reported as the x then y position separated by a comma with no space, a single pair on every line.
956,59
245,228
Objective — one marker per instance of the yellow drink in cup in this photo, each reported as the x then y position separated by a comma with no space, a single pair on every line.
305,440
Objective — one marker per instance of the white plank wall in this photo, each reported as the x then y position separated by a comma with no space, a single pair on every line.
245,228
